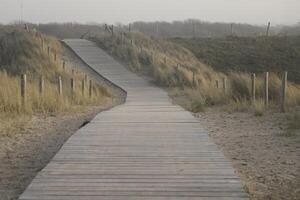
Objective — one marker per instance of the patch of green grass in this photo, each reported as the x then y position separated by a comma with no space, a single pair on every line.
198,105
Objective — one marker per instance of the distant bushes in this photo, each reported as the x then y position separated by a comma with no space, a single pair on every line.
248,54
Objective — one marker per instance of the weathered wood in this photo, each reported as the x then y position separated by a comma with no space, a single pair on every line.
253,88
26,27
268,29
64,65
91,89
23,90
86,78
49,50
83,87
147,148
42,44
266,88
217,84
112,30
283,91
194,30
194,81
59,86
41,85
224,85
73,86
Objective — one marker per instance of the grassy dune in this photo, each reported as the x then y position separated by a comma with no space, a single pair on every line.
22,52
172,66
248,54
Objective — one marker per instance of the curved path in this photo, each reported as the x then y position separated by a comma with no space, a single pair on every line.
145,149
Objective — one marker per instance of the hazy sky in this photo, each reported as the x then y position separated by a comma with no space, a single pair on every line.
111,11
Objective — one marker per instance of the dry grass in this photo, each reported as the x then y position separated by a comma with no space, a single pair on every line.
170,65
293,128
22,52
259,107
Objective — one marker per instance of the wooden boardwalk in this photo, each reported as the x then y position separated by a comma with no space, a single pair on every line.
146,149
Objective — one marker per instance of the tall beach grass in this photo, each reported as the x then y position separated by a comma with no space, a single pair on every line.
24,52
173,66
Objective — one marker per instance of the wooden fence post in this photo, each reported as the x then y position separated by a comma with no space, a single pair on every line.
283,91
23,90
83,87
224,84
268,29
86,78
90,89
48,51
55,55
64,65
253,88
73,85
266,89
217,84
42,43
124,38
194,81
41,85
59,86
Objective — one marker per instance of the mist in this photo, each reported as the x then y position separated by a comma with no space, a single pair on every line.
113,11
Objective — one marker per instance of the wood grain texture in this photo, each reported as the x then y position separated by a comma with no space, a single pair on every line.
145,149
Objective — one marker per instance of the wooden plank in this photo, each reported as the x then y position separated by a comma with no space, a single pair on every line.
146,149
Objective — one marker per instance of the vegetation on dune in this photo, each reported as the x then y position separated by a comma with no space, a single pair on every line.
247,54
22,52
168,64
173,66
146,55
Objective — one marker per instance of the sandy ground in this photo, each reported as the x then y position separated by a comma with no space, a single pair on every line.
267,160
27,151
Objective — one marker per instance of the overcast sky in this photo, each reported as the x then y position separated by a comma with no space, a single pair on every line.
111,11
